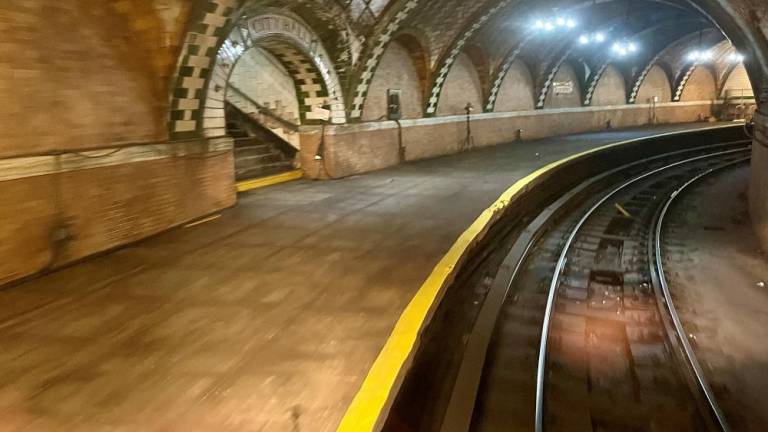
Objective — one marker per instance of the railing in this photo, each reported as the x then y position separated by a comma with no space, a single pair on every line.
262,110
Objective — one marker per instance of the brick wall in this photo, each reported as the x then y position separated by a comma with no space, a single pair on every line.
353,149
570,100
611,89
738,82
516,92
260,75
74,78
396,71
102,205
80,79
462,85
656,83
700,86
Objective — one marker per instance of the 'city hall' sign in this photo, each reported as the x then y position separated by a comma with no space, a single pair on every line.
280,25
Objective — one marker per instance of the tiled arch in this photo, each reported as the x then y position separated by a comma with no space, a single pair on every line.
212,47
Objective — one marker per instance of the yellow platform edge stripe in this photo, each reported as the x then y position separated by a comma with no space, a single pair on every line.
248,185
373,397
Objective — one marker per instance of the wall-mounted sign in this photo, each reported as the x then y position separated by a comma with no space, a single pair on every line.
563,87
280,25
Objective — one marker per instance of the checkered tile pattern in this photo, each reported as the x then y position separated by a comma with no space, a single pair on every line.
501,74
316,84
453,54
310,87
209,21
550,78
443,22
594,81
374,57
682,81
641,78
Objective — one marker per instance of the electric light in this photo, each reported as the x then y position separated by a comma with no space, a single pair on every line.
599,37
624,48
584,39
699,56
551,24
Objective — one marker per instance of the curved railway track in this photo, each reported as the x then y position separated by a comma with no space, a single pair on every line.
584,333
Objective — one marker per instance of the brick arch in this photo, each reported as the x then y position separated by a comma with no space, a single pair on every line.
672,48
727,73
218,33
482,64
685,76
208,25
416,45
371,56
548,79
299,51
599,77
744,36
503,100
500,74
639,79
455,49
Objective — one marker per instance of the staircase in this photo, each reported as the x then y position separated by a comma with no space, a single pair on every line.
259,151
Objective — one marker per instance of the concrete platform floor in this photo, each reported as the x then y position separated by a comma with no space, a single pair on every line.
266,319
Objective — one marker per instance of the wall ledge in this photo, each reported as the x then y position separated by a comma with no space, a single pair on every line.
431,121
14,168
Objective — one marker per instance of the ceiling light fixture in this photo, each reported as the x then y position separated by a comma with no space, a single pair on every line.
736,57
623,49
549,25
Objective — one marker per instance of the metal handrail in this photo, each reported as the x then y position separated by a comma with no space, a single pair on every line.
265,111
560,268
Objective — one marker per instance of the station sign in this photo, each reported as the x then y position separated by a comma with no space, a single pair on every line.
563,87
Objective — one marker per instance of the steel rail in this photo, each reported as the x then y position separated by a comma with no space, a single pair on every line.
560,267
687,349
461,406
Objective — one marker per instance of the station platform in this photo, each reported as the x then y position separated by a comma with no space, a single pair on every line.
267,317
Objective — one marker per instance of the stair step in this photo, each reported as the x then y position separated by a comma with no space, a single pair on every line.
238,133
263,170
258,160
254,150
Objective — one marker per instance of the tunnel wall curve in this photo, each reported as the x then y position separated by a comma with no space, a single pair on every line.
758,188
358,148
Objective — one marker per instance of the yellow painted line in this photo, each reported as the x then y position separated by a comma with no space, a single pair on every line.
202,221
247,185
373,399
622,210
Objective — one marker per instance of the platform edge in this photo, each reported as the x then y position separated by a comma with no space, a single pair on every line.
375,395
